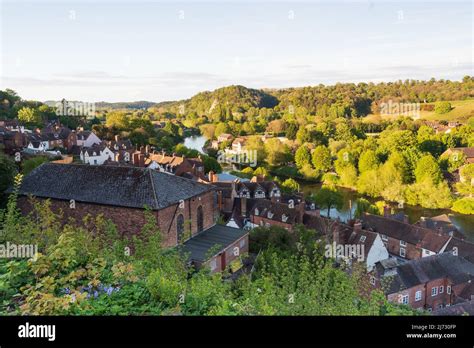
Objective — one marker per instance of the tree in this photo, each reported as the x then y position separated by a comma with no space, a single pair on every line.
321,158
364,206
428,169
464,205
290,185
368,161
7,173
29,116
302,156
442,107
31,163
328,197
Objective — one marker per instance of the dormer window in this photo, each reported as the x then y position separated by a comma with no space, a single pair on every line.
403,243
256,211
94,154
284,218
270,215
362,239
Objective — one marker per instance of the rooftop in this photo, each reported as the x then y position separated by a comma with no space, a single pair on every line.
110,185
218,236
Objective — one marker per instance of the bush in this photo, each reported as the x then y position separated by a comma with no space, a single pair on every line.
442,107
464,205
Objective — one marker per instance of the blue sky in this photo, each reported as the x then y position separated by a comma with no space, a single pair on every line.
162,50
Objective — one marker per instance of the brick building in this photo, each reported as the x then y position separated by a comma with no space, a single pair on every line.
405,240
183,208
430,283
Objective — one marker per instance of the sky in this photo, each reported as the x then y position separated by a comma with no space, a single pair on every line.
162,50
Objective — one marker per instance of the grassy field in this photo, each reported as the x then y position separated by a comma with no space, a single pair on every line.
462,110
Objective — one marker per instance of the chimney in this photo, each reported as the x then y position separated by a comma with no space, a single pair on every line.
147,149
387,211
117,137
405,219
233,194
212,176
135,159
142,149
243,206
423,221
141,160
358,226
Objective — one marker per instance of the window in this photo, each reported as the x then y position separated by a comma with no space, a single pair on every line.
372,280
384,237
213,264
441,289
405,299
242,243
434,291
180,227
418,295
403,243
448,289
200,219
362,239
402,252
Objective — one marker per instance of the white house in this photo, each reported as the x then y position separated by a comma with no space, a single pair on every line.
96,155
87,139
38,146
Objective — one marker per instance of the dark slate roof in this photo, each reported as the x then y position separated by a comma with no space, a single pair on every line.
219,235
413,234
420,271
463,247
462,308
110,185
276,211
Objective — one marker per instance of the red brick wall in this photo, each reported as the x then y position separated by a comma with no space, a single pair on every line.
411,251
426,301
229,254
130,221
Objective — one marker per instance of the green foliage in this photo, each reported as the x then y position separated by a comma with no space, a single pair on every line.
29,116
328,197
321,158
302,156
31,163
428,169
290,185
464,205
368,161
442,107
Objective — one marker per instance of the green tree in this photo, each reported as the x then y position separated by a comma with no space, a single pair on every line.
321,158
302,156
428,169
328,197
29,116
442,107
368,161
290,185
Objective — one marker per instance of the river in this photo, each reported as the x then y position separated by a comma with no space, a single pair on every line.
464,223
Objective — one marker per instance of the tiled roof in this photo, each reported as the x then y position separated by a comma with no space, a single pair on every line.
218,235
457,309
420,271
413,234
275,211
110,185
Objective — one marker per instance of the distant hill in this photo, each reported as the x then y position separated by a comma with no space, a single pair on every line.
136,105
233,98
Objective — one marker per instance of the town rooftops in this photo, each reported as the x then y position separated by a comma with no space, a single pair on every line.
420,271
109,185
462,308
467,151
218,237
413,234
